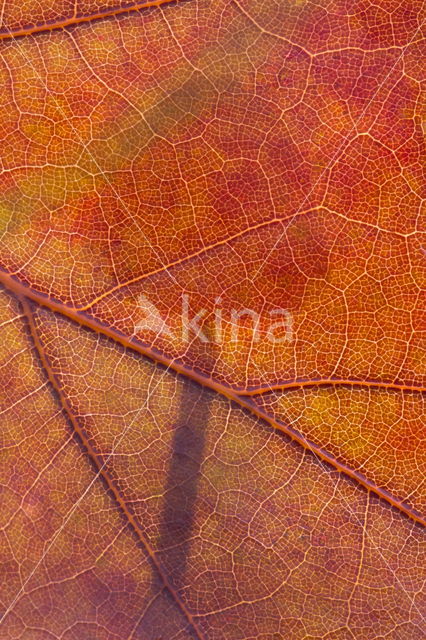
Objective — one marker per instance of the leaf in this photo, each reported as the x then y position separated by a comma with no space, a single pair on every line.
212,374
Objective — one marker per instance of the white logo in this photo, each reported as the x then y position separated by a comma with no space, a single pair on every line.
276,328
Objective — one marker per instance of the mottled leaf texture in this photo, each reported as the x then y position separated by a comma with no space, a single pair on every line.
212,156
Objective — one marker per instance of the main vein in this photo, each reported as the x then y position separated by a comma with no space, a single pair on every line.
23,291
7,34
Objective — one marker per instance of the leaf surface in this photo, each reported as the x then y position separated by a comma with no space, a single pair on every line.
215,157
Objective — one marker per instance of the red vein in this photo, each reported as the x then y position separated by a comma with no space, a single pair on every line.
23,291
99,462
322,382
78,314
7,34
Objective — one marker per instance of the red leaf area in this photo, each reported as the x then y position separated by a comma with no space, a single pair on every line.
234,163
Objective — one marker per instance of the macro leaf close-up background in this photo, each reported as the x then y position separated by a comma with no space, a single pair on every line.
256,168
